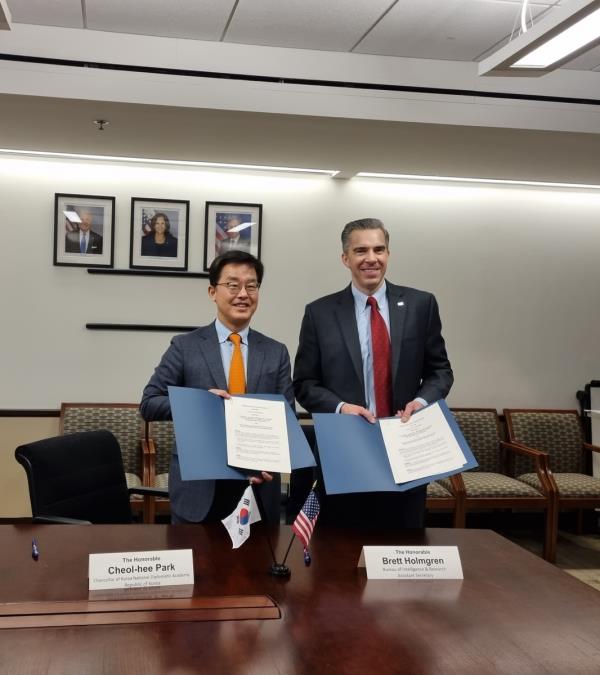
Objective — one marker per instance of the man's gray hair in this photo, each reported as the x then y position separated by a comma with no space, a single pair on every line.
363,224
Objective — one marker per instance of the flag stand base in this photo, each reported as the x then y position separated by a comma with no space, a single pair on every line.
278,570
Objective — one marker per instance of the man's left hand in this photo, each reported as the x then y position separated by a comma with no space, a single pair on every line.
264,478
410,408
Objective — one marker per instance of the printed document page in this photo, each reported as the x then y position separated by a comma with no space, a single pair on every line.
423,446
257,437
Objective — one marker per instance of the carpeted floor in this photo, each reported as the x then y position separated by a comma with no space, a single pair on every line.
577,554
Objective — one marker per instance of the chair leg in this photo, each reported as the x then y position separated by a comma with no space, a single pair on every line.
551,533
579,522
149,509
460,516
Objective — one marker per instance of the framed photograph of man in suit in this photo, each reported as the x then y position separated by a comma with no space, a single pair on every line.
84,228
231,226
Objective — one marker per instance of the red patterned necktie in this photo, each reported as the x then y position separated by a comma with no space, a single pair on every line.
382,361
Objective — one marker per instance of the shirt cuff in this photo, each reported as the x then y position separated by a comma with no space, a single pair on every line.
422,401
339,406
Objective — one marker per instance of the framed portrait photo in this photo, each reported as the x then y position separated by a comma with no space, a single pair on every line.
84,229
159,234
231,226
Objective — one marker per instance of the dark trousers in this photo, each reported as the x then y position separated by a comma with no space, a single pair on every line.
229,492
375,510
372,510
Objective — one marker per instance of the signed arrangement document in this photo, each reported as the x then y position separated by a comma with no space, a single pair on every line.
257,437
390,455
424,446
215,444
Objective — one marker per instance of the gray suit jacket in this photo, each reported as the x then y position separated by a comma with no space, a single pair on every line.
328,366
194,360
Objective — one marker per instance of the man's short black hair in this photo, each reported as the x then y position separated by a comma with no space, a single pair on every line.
236,258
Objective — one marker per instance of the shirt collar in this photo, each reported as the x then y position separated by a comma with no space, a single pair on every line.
360,298
223,332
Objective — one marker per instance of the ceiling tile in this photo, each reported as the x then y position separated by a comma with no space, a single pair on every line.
456,30
195,19
331,25
65,13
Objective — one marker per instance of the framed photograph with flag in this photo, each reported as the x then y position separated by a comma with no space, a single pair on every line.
159,234
84,228
231,226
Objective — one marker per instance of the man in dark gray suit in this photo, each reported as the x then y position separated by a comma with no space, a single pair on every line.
374,349
201,359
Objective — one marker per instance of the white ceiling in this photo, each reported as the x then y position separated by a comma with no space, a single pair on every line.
457,30
405,52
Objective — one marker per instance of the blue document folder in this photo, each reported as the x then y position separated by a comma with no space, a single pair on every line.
199,421
353,456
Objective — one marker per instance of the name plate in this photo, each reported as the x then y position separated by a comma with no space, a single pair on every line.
143,570
411,562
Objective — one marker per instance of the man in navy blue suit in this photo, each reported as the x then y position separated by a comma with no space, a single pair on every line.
339,362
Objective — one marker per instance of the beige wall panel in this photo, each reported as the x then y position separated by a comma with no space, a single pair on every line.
14,431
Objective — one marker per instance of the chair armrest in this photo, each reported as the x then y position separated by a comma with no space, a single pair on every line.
149,491
58,520
591,448
521,449
541,461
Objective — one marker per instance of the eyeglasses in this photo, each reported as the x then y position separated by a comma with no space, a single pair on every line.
234,287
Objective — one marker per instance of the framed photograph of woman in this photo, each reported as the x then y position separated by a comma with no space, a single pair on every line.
84,228
159,234
231,226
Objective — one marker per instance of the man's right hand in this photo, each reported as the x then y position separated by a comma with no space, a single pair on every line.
351,409
220,392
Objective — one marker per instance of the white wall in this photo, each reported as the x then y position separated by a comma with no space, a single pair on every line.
515,271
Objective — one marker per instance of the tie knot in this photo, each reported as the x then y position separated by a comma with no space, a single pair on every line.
372,302
236,338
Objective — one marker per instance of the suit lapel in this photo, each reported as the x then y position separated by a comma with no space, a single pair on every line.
211,351
346,316
256,356
397,320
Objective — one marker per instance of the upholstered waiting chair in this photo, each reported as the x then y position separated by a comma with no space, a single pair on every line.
158,446
125,422
559,434
487,487
77,478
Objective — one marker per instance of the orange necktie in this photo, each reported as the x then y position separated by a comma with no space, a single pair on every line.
237,379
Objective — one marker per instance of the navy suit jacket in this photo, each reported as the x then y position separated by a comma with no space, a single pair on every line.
94,243
194,360
328,366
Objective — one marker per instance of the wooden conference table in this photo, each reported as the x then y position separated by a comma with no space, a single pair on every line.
513,613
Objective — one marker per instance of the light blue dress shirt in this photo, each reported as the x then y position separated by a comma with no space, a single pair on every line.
226,347
363,322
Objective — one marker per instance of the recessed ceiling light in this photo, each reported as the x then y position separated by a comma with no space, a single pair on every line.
464,179
169,162
565,33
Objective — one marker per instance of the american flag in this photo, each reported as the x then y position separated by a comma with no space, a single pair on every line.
221,224
146,218
222,219
305,522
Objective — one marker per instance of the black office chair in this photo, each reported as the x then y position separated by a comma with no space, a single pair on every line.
78,479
